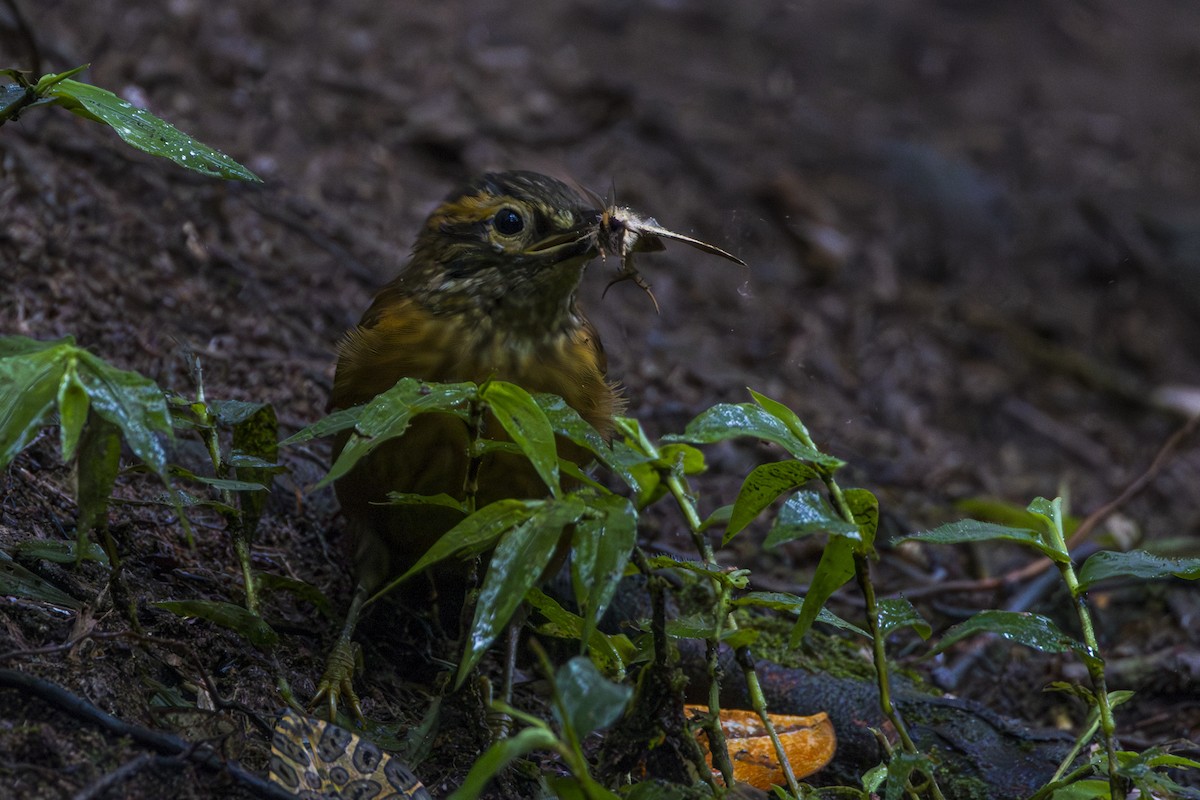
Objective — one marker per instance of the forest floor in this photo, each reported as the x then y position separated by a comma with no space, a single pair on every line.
973,232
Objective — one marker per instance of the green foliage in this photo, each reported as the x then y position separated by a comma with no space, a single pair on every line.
138,127
246,623
1110,771
584,701
98,407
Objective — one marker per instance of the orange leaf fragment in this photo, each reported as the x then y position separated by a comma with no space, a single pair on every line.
809,743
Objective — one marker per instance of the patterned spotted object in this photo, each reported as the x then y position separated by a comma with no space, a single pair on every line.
316,760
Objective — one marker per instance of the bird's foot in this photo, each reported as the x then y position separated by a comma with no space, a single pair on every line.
337,683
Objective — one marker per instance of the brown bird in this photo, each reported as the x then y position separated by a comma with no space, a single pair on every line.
488,293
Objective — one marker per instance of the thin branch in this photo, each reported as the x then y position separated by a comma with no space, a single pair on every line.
160,742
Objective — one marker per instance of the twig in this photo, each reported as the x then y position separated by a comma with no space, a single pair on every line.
1085,529
158,741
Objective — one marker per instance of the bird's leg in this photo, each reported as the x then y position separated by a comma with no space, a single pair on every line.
503,724
337,683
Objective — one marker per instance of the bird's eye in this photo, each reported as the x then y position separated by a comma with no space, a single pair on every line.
508,222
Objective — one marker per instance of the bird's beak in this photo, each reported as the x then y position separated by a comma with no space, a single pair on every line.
578,241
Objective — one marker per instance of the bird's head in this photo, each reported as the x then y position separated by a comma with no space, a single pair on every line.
510,246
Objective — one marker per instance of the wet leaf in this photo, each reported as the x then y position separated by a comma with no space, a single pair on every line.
566,422
234,412
516,565
389,414
730,421
473,535
865,508
141,129
970,530
73,407
340,420
60,552
527,425
249,625
833,571
600,548
804,514
588,701
611,653
133,403
763,486
1135,564
30,375
1031,630
897,613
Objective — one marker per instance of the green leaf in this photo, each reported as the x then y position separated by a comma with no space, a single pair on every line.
515,567
611,653
97,469
566,422
865,508
970,530
474,534
60,552
499,756
763,486
526,424
729,421
719,516
1031,630
73,407
600,548
30,375
791,604
897,613
340,420
16,581
143,130
133,403
835,569
1135,564
389,414
228,484
1090,789
682,458
234,412
804,514
255,434
409,499
587,700
900,767
249,625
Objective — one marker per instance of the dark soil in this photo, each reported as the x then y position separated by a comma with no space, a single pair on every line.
974,250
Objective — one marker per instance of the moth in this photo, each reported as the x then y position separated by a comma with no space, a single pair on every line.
621,232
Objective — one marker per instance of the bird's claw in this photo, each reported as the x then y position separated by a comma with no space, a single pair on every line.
337,683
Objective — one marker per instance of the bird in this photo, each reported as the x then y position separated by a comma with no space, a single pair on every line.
489,292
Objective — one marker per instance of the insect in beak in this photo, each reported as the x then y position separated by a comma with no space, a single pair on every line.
623,232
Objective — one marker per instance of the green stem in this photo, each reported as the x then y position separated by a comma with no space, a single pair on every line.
1091,658
758,702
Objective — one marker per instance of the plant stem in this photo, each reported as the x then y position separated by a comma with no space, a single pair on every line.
862,574
1091,658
